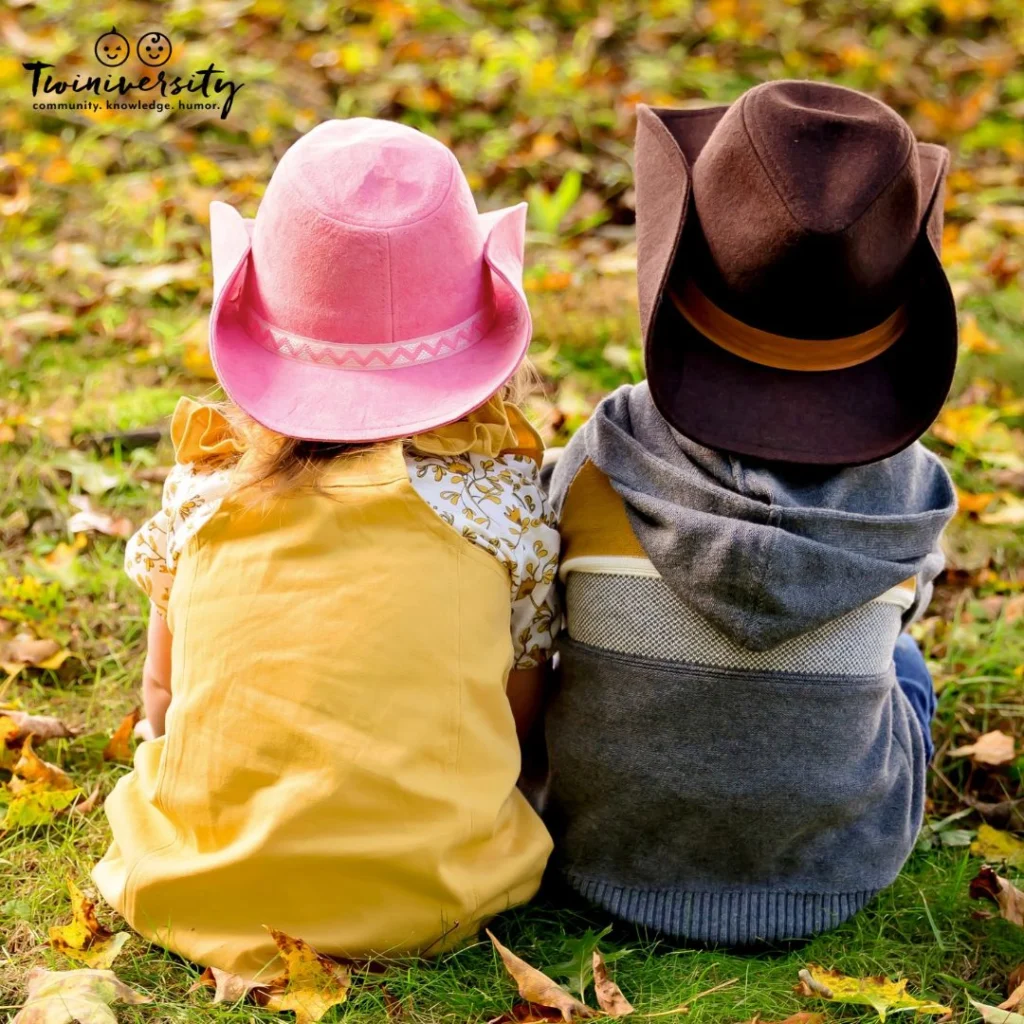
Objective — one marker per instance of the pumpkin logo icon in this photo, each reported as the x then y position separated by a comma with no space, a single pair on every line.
154,49
112,48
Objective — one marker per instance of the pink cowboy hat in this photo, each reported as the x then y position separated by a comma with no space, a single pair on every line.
369,299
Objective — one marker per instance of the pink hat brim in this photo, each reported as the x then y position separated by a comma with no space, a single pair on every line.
328,403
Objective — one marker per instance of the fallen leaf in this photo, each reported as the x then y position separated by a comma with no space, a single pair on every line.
62,562
150,278
609,995
995,1014
992,749
85,939
58,997
42,727
527,1013
312,983
25,650
120,746
1010,900
31,769
87,473
536,987
196,341
40,323
1015,1000
227,988
39,791
994,845
974,339
881,993
88,805
94,520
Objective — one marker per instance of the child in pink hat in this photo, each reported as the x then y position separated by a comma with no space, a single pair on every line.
351,579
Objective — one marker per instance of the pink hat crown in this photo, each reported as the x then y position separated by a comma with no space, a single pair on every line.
367,254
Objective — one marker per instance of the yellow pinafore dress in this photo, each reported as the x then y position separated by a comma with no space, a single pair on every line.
340,760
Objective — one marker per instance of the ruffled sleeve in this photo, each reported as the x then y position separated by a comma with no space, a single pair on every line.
204,451
494,429
202,435
481,476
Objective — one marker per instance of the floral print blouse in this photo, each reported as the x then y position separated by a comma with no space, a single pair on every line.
478,476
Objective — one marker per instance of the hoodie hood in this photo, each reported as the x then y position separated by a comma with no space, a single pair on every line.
767,553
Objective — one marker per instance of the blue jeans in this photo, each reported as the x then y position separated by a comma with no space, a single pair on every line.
916,684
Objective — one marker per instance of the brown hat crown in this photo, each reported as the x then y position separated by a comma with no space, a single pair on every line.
808,199
792,301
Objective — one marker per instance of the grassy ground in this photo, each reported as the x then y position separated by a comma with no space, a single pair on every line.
106,279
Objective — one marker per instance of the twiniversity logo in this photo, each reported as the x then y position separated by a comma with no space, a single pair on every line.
204,89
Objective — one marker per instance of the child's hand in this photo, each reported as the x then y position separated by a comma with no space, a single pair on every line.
144,730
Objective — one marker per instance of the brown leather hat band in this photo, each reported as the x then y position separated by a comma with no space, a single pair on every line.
778,351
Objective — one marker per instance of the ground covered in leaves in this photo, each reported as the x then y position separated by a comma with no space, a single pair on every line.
105,285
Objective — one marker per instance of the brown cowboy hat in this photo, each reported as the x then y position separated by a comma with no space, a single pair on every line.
792,301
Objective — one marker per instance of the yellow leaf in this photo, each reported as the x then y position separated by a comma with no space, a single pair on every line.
120,746
58,997
974,504
39,791
536,987
880,993
609,995
974,339
31,769
311,984
992,749
197,350
85,939
994,845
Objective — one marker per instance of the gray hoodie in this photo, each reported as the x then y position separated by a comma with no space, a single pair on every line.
732,759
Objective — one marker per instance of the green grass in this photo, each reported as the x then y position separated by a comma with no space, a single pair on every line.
922,928
524,110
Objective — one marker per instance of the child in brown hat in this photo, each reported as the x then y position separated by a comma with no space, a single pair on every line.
739,744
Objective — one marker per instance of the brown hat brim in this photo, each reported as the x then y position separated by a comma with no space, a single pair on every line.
840,417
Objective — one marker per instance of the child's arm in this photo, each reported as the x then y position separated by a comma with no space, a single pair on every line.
525,690
156,677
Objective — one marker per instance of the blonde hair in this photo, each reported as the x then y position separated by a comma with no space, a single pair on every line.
274,464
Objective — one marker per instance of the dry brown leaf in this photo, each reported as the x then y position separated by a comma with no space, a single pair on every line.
227,988
120,746
58,997
24,649
42,727
85,939
312,983
536,987
1010,900
609,995
992,749
88,805
1015,1000
996,1014
89,519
